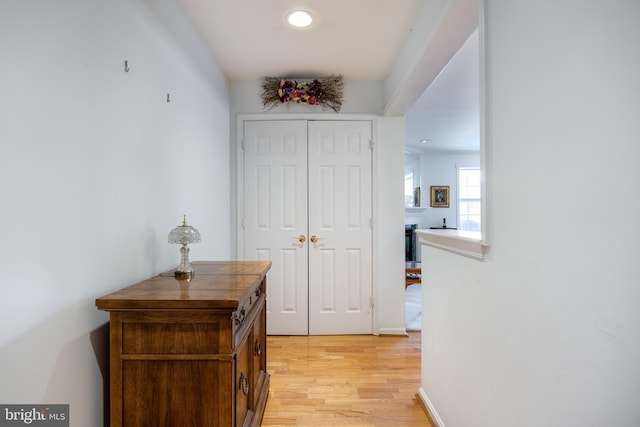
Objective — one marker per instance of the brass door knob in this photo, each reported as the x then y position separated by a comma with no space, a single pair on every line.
314,238
301,238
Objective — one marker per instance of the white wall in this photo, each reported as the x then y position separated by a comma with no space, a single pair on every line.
95,169
438,169
440,28
545,330
389,225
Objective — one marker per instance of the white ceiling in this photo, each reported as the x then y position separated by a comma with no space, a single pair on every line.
448,112
356,38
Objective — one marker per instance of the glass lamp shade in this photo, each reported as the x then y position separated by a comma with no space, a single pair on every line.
183,235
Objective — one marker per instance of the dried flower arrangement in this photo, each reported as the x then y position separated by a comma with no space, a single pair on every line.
326,92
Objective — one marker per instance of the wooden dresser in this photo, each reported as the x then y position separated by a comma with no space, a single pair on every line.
190,353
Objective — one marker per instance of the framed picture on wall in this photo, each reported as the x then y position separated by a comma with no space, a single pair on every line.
439,196
416,197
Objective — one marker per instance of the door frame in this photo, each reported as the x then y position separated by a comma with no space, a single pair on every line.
241,118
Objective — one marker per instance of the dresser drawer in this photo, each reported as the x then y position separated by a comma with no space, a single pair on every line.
171,332
247,304
246,315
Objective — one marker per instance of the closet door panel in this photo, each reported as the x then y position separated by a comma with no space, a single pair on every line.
308,209
340,214
275,168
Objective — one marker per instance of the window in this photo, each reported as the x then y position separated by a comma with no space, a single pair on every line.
408,189
469,191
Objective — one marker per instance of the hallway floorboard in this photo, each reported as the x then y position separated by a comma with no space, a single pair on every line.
355,381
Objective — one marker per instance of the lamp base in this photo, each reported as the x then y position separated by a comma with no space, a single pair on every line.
183,275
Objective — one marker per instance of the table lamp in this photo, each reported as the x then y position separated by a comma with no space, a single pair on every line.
183,235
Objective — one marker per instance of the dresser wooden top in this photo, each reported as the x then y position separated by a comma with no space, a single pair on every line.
216,284
231,267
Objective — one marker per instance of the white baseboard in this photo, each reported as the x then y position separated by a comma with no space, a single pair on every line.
393,331
430,408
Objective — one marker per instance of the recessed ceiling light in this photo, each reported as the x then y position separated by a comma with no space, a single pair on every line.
300,18
425,141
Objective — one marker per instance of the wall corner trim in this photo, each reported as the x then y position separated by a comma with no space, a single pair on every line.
433,414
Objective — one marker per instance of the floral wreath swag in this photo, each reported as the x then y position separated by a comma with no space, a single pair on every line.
326,92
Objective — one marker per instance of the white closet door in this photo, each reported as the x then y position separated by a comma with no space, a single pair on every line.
275,168
340,215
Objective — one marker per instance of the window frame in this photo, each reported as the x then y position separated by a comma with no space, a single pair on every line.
459,169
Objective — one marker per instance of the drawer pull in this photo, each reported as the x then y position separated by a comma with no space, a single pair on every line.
258,291
240,318
257,347
244,384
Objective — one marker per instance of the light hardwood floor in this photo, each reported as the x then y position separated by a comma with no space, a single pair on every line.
354,381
